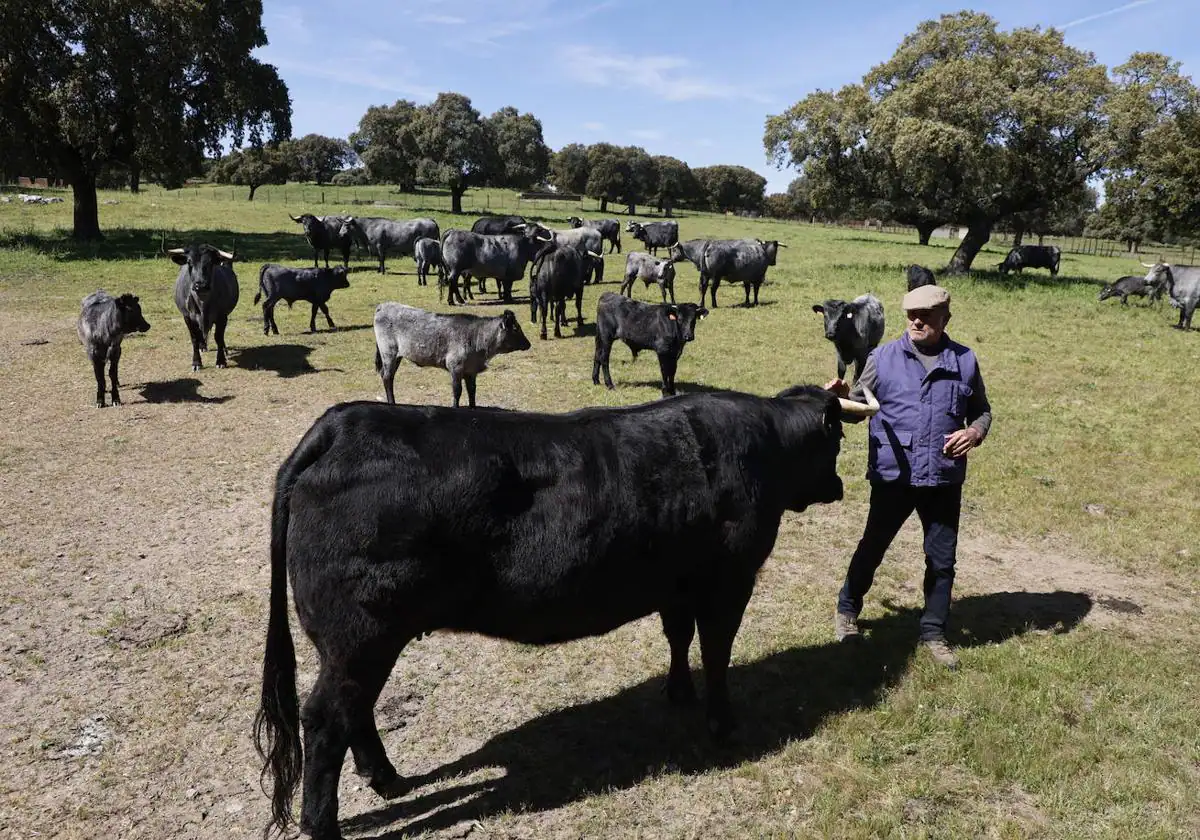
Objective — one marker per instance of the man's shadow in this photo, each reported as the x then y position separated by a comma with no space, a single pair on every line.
619,741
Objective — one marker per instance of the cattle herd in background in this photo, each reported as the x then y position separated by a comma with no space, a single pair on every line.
559,264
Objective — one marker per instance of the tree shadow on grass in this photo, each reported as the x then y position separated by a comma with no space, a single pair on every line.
680,386
177,391
286,360
619,741
1033,277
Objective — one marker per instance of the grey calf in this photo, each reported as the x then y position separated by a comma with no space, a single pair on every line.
855,328
103,321
387,236
428,253
315,285
640,265
1182,283
741,260
460,344
610,230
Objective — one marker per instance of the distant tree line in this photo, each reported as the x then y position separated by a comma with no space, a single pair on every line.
996,130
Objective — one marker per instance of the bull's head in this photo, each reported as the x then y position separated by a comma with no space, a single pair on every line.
839,317
685,316
129,312
512,337
348,227
666,270
1159,276
771,249
200,260
633,227
337,277
675,253
574,221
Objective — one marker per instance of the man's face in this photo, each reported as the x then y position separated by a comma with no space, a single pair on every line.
926,326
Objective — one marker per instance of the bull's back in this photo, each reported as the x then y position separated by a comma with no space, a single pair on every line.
530,527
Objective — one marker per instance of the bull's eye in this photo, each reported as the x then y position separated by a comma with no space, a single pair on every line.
849,316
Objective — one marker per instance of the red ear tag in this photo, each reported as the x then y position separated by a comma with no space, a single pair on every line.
672,317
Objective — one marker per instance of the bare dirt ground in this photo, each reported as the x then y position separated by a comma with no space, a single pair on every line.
134,585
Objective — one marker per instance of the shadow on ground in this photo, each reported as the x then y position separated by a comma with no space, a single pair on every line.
286,360
680,387
619,741
177,391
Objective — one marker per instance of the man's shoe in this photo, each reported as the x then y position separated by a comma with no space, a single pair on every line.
845,627
942,653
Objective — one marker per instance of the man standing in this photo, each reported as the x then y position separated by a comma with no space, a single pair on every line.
933,410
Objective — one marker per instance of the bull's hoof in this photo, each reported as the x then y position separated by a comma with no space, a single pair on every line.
221,363
393,788
196,367
100,404
116,400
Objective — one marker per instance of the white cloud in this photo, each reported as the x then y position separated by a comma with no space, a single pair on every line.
378,45
444,20
363,73
287,22
593,126
666,76
1114,11
646,133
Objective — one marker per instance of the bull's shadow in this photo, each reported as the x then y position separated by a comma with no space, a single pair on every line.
286,360
619,741
681,387
177,391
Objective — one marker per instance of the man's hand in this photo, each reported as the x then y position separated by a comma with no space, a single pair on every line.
961,442
839,387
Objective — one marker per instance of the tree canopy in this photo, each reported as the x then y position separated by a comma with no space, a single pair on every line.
318,158
85,83
253,168
569,168
731,188
964,122
522,156
386,144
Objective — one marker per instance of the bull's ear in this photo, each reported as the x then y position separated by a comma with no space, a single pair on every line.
818,308
179,259
701,313
673,313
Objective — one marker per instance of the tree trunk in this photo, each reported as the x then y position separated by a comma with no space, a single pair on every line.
667,209
979,232
603,204
632,209
1041,239
253,187
1018,235
924,231
135,178
87,211
456,195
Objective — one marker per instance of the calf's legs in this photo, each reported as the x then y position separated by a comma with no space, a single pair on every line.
667,362
718,623
114,359
600,359
98,356
387,373
198,341
679,626
220,336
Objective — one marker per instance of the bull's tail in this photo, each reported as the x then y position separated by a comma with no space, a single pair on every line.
262,289
379,357
277,724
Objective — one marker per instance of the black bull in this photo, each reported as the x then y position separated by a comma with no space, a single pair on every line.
546,528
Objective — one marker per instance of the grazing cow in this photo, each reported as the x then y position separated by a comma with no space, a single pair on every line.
664,328
460,344
103,321
428,252
655,235
919,275
1130,284
744,260
395,521
558,273
324,233
384,236
499,224
639,264
206,291
315,285
1182,283
610,229
481,255
691,250
1032,256
854,327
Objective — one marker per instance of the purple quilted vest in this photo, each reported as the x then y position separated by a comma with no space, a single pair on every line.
916,410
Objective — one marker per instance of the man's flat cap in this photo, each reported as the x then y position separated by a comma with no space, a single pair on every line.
925,297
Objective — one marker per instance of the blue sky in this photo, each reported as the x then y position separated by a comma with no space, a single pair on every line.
694,80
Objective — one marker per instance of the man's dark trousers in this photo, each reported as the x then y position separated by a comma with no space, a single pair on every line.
891,504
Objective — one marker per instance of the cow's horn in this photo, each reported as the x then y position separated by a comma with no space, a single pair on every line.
521,226
780,245
594,254
293,218
1148,265
855,409
226,255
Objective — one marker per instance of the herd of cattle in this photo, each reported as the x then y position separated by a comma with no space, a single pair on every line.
559,263
386,535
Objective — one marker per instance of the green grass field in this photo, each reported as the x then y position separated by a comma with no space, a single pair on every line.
1074,714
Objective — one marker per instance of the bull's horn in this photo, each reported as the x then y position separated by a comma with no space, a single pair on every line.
854,409
1148,265
521,226
293,218
594,254
780,245
226,255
